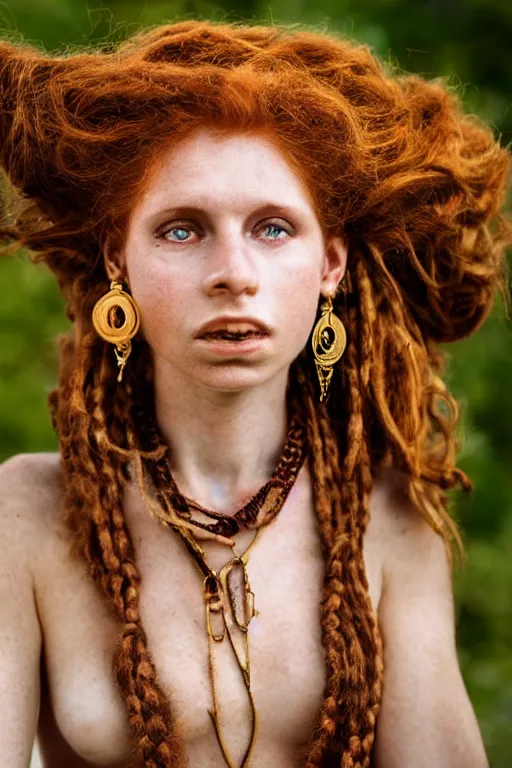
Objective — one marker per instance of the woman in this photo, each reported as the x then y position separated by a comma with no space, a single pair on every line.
261,237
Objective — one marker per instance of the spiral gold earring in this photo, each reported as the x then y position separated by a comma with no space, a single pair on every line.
329,341
104,316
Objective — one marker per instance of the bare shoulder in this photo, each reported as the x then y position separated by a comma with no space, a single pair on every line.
32,476
27,490
386,503
421,723
25,468
405,534
29,497
389,503
415,565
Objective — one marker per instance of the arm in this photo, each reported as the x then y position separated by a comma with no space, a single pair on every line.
426,719
20,634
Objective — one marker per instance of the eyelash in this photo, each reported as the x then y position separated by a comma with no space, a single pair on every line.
161,233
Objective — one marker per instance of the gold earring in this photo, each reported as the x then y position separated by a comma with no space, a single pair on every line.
329,341
104,316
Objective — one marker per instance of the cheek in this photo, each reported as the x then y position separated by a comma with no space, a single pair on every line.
298,303
161,299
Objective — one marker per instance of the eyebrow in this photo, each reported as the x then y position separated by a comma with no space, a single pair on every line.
287,211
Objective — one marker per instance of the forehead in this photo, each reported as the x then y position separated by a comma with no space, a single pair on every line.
235,170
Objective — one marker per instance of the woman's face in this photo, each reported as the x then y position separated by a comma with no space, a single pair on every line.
226,260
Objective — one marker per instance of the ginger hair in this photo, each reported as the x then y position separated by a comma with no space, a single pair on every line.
393,163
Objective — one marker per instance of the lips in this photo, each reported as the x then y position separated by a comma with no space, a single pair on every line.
239,326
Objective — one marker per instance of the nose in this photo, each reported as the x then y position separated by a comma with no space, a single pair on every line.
231,269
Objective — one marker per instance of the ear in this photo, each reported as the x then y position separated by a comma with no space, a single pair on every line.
114,262
335,264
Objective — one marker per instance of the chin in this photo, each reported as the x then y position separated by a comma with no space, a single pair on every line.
235,378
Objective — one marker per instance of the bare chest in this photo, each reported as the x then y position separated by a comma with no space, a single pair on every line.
285,650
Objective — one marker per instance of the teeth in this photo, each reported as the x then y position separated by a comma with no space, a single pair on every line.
239,327
234,330
232,336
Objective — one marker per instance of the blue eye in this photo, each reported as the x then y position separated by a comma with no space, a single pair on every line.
181,233
275,228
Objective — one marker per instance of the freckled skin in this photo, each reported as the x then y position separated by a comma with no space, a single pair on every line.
228,257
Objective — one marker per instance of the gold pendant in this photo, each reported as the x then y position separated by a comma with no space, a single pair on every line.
215,587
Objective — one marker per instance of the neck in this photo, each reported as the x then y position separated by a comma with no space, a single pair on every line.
223,445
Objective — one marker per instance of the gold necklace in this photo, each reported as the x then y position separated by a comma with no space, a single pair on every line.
217,594
175,511
215,589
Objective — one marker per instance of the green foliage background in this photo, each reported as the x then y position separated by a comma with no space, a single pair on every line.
469,42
